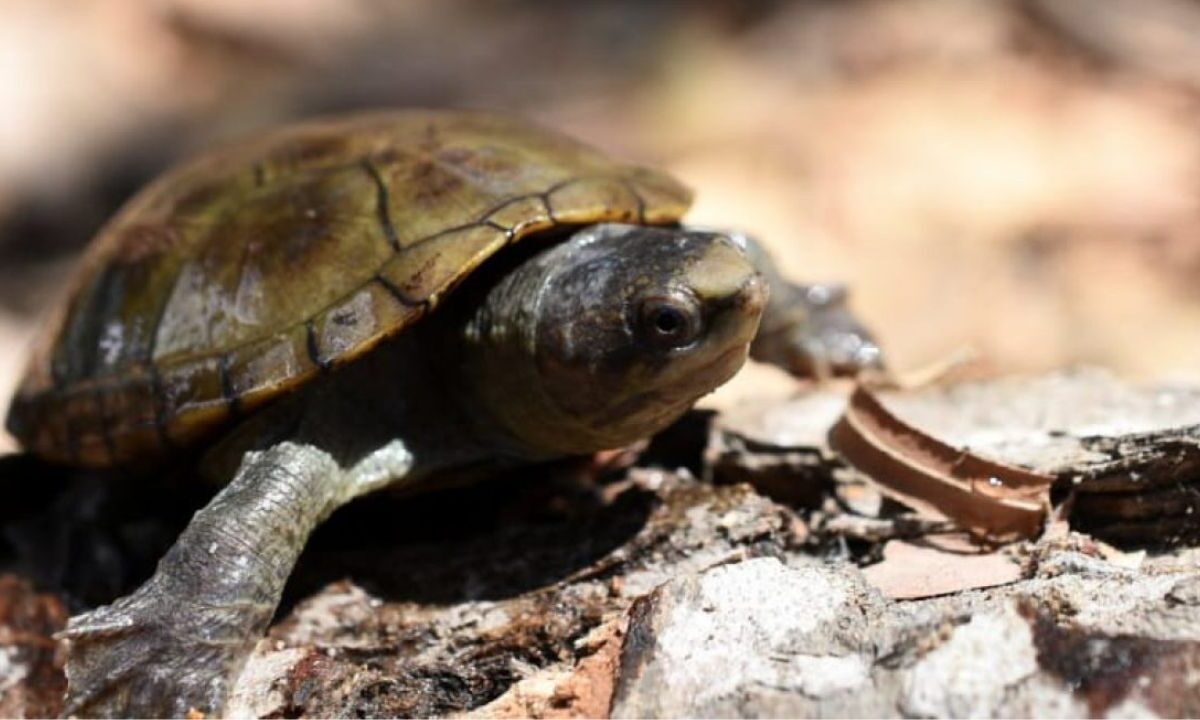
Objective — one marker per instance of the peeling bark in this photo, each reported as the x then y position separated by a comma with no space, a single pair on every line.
605,590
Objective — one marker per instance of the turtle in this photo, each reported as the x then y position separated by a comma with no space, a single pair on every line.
374,301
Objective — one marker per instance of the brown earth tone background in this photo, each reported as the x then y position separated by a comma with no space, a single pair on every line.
1014,177
1018,178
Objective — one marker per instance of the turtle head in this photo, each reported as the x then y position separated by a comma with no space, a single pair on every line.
611,335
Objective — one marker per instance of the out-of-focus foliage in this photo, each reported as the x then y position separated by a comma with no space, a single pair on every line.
1020,177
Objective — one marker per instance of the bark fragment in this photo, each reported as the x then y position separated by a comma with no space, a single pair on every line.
647,591
31,679
992,500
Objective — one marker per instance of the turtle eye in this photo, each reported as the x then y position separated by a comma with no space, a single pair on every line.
668,321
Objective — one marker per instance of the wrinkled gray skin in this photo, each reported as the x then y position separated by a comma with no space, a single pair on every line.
592,343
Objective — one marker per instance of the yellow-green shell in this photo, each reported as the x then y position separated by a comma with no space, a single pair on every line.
247,272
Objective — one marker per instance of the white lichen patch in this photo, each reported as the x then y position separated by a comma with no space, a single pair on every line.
738,629
820,677
256,692
330,613
12,670
971,673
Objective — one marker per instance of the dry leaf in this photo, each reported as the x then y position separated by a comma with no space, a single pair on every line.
993,501
910,570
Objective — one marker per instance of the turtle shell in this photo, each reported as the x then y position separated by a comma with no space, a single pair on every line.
251,270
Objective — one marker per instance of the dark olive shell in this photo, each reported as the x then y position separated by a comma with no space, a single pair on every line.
247,272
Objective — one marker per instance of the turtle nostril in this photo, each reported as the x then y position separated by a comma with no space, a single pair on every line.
752,295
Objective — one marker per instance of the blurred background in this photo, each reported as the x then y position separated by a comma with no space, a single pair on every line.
1017,177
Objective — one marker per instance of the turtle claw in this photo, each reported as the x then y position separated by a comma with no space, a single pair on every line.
150,655
810,331
174,646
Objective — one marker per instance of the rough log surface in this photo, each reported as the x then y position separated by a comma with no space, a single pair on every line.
573,592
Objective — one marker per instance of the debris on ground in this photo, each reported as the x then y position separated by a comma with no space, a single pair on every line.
31,664
991,500
631,587
911,570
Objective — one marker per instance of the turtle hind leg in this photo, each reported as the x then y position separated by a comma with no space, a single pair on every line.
176,644
145,656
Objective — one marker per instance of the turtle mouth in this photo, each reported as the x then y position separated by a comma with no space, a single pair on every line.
733,328
692,384
712,374
673,398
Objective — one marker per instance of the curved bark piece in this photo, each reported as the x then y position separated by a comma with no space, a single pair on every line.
993,501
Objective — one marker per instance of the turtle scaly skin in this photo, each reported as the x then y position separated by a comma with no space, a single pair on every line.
258,309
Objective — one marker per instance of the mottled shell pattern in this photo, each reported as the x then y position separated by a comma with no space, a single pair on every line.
251,270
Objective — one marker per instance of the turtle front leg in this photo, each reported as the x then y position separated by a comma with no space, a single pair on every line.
176,644
808,330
